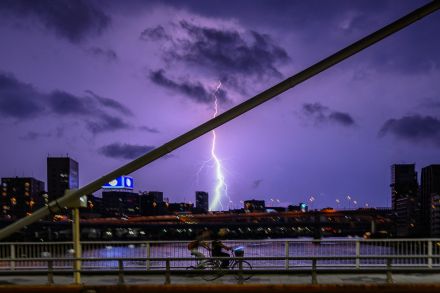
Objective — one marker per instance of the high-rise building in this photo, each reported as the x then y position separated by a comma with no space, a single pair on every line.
403,182
20,196
202,201
435,215
62,174
405,199
152,203
254,205
430,188
120,203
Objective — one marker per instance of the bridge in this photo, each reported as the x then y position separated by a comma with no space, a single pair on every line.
168,261
72,197
329,222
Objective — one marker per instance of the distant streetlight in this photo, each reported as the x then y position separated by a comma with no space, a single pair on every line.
349,200
337,203
311,199
355,203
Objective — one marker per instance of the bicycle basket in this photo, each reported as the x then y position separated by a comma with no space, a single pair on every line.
239,251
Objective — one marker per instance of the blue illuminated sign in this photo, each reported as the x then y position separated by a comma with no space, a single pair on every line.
124,182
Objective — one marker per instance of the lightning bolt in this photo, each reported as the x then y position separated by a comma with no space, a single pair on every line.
221,188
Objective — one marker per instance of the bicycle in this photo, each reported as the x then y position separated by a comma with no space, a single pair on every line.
241,268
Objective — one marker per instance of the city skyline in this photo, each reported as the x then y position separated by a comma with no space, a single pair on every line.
129,77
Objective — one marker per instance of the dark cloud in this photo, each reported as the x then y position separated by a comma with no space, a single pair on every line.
64,104
257,183
193,90
73,20
335,21
108,54
222,50
154,34
323,114
22,101
110,103
32,135
125,151
414,128
228,55
106,123
341,118
149,129
17,99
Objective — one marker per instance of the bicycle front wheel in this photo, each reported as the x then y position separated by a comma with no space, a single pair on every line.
246,270
212,271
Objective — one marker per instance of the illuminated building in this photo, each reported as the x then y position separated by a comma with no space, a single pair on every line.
62,174
152,203
254,205
118,198
180,207
302,207
202,201
405,199
403,182
435,215
20,196
430,191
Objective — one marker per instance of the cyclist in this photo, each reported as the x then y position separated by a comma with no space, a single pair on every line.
217,247
194,245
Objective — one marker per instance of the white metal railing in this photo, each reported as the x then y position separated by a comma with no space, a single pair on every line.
427,249
241,272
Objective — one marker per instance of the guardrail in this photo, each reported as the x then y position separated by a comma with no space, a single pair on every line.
318,266
427,249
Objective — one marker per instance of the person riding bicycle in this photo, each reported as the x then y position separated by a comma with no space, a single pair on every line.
194,245
217,246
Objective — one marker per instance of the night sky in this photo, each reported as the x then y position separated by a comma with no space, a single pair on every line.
106,81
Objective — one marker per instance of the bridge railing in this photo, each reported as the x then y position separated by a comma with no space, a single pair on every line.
317,266
150,251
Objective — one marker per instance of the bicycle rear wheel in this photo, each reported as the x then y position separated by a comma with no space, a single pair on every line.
246,272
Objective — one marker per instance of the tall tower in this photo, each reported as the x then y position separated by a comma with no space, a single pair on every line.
202,201
405,199
403,182
62,174
430,192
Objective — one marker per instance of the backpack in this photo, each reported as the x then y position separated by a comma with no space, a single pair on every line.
193,244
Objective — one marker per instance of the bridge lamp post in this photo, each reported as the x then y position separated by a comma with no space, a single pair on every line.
311,199
349,200
337,203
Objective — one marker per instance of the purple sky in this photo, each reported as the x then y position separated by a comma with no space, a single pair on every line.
106,81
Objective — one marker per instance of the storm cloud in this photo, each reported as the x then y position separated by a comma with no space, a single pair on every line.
23,102
17,99
323,114
107,54
109,103
124,151
414,128
193,90
73,20
221,50
235,57
107,123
